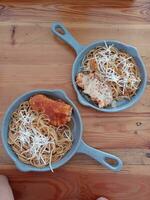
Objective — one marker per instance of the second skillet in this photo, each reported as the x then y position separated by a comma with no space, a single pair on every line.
59,30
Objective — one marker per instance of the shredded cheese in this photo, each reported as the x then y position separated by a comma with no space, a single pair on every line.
112,66
32,136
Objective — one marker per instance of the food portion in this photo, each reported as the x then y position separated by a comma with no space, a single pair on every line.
108,75
58,112
99,91
37,138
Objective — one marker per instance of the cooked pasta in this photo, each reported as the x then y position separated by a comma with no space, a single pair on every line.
34,140
112,67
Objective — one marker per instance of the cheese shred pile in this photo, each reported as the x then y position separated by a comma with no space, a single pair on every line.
113,68
34,140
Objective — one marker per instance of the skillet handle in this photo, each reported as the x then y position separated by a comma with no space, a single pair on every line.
101,157
59,30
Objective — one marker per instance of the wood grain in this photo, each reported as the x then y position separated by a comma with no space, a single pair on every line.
31,58
77,185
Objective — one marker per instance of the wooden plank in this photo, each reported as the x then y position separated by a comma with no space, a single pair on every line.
83,11
83,185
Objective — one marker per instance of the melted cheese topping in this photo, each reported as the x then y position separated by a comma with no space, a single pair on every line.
97,90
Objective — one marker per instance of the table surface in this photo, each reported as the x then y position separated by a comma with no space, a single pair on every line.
31,58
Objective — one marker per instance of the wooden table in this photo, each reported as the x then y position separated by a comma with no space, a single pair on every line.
31,58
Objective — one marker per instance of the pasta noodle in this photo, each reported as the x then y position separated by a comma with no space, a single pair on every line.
34,140
113,67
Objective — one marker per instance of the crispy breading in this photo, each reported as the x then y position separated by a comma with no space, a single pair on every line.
58,111
93,65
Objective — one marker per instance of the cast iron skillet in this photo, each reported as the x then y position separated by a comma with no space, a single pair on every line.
78,145
81,50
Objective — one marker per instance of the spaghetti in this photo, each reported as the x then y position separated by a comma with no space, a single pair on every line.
112,67
34,140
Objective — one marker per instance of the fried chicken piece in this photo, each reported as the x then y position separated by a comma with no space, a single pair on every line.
98,90
57,111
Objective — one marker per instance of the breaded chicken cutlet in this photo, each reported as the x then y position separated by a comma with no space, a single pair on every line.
98,91
57,111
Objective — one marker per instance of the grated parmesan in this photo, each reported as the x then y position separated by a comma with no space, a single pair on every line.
32,136
112,66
